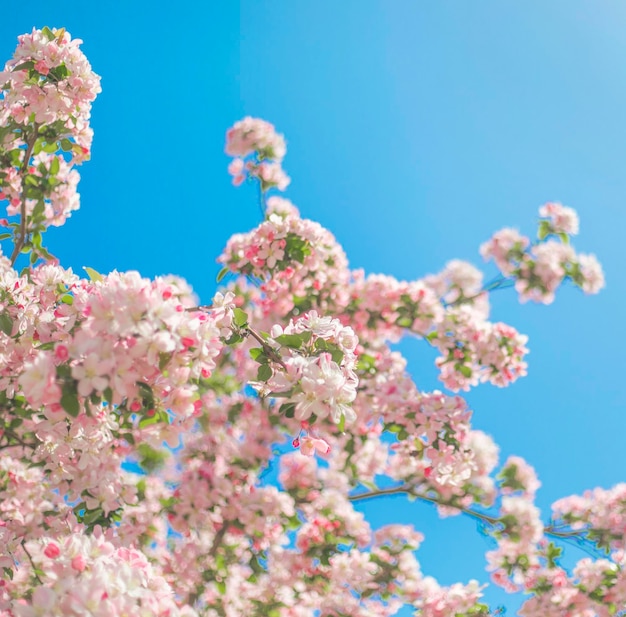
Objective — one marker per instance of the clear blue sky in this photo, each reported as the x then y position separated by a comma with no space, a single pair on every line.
415,129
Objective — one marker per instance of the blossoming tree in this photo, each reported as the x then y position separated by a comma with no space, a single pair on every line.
99,371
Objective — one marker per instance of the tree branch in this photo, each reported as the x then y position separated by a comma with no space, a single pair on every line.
549,530
19,244
271,352
32,563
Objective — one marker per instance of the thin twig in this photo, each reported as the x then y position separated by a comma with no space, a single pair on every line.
32,563
19,244
550,530
217,540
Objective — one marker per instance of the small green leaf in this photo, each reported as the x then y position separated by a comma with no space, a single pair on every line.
164,359
288,409
466,371
404,322
258,354
54,165
222,273
5,236
342,423
264,373
93,275
234,339
366,362
29,64
544,230
66,145
6,323
69,400
47,33
240,318
294,341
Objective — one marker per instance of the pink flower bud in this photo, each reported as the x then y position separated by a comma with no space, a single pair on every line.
61,353
52,550
79,563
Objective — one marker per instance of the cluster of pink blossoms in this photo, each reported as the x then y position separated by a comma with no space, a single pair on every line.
299,263
46,92
51,78
258,137
86,575
539,268
600,512
318,380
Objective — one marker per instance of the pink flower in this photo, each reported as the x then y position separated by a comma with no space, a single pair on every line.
310,445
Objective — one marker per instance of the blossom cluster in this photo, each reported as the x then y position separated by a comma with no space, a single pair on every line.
599,513
318,380
539,268
46,92
256,137
299,263
82,575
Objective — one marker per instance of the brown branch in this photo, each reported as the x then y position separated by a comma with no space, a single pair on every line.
217,540
19,440
32,563
271,352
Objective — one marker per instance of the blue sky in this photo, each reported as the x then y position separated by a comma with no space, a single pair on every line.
415,129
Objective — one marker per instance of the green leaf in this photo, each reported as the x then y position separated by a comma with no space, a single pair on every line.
29,64
404,322
544,230
5,236
288,409
6,323
240,318
294,341
108,395
67,299
93,275
466,371
145,391
258,354
47,33
222,273
164,359
342,423
151,460
234,339
66,145
54,165
69,400
264,373
366,363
